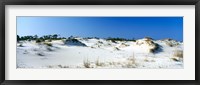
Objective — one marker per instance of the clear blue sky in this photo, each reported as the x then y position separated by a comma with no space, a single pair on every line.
103,27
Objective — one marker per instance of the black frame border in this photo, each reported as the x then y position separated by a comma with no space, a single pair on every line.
98,2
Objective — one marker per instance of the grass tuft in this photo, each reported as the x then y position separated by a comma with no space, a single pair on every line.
86,63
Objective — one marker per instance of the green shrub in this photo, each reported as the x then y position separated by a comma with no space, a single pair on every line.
39,40
48,44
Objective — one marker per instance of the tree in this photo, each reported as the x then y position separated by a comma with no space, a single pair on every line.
18,38
46,37
55,36
50,36
35,37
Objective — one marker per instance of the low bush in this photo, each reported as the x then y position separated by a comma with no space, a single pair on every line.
39,40
48,44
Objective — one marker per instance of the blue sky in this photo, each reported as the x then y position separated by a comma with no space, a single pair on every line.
103,27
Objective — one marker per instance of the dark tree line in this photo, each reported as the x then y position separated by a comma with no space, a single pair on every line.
42,38
119,39
57,37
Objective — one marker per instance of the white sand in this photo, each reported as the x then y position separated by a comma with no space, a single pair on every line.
98,53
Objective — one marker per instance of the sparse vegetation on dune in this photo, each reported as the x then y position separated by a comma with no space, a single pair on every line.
149,59
100,42
48,44
57,66
123,45
171,44
130,62
178,53
116,48
155,47
99,63
40,54
150,44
